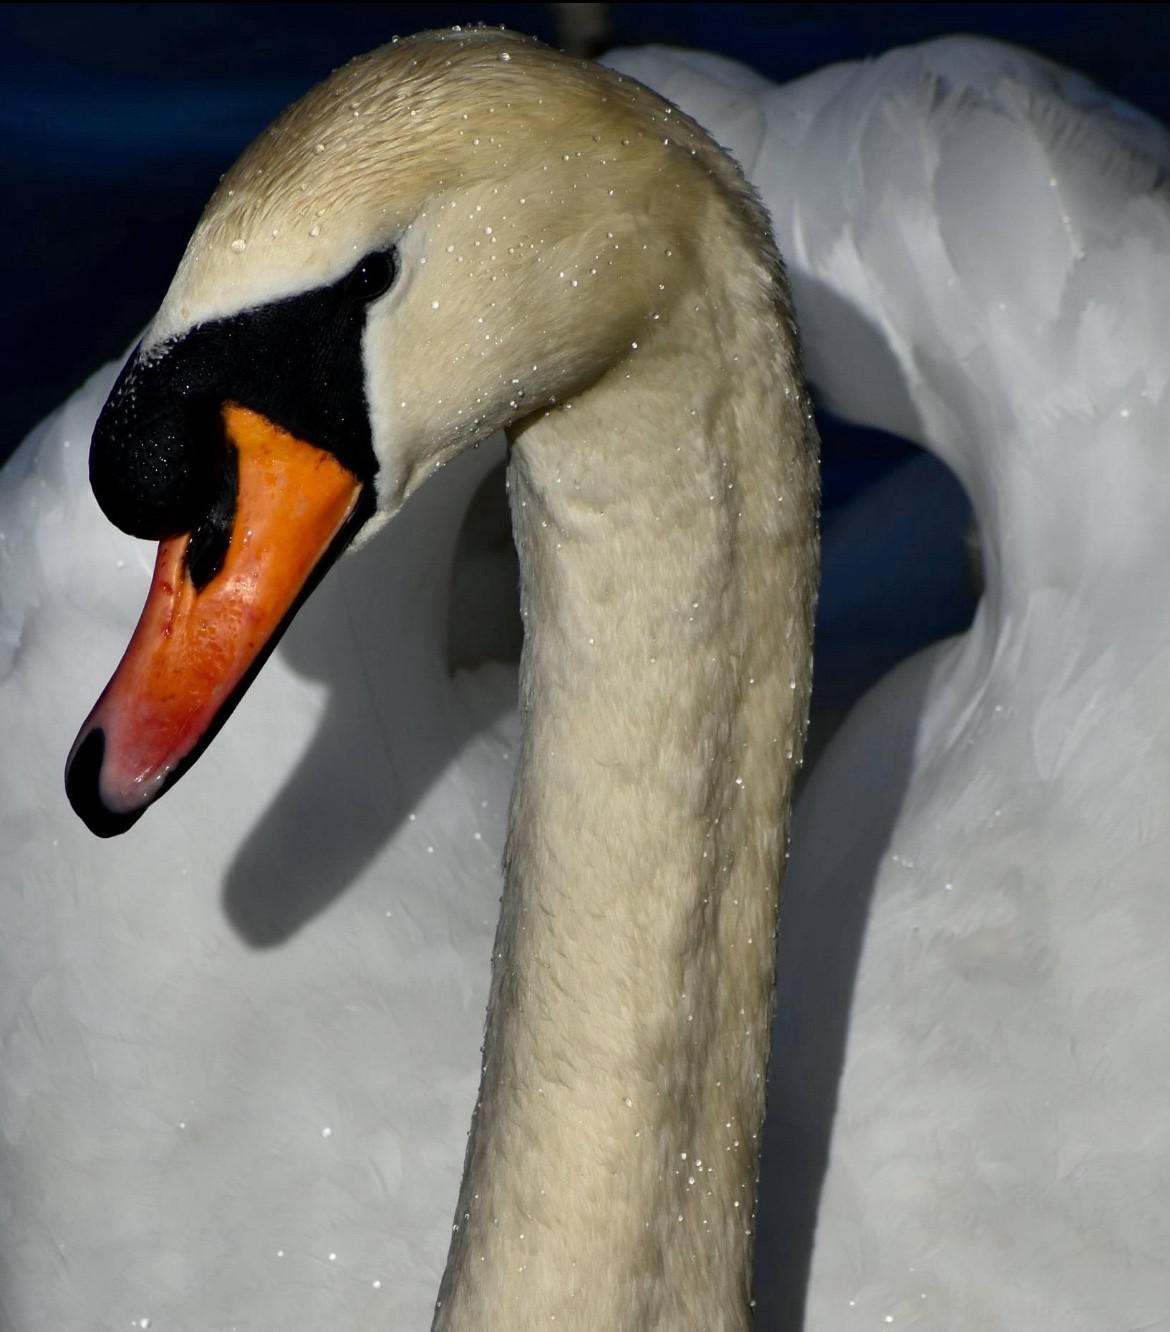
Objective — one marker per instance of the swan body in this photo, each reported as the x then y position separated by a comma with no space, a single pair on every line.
167,1089
196,1126
973,964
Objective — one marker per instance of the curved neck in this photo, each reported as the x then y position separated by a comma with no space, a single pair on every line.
665,520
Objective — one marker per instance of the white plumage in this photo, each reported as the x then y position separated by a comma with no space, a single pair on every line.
978,243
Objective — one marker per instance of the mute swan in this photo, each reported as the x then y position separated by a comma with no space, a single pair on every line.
166,1092
460,232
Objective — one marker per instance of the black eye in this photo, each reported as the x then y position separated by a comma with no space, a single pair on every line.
372,276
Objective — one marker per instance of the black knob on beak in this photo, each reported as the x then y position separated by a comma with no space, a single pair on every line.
156,457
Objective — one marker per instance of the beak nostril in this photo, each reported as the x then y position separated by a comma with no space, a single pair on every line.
208,546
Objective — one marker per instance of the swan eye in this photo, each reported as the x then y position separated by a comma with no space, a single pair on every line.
372,276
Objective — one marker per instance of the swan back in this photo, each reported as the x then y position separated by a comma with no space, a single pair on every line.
971,1060
983,272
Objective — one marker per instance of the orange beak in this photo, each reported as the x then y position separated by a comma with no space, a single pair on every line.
196,647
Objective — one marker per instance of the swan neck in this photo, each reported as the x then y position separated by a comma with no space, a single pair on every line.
665,521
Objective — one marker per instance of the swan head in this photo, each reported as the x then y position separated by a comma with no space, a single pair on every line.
450,234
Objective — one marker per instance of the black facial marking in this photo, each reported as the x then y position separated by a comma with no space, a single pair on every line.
208,547
156,461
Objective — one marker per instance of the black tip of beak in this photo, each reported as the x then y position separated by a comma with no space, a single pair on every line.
81,786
